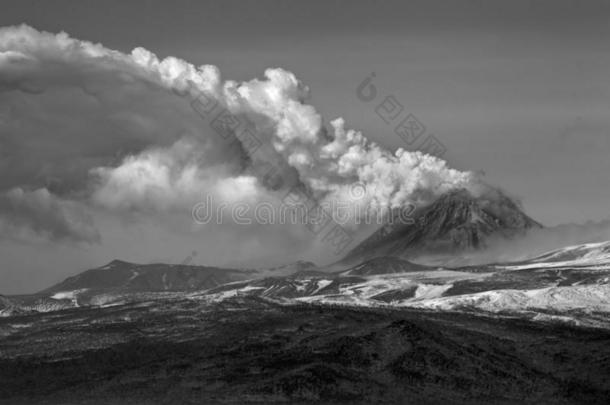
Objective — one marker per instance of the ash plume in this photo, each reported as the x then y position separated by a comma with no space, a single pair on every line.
131,99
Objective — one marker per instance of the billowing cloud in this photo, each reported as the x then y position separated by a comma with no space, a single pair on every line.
83,124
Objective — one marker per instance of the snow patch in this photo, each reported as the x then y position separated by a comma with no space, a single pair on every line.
68,295
322,284
590,298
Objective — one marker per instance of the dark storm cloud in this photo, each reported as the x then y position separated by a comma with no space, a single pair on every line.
44,214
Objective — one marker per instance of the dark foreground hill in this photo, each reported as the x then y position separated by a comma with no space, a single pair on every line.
248,350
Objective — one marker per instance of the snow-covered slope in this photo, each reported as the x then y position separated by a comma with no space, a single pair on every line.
591,255
26,304
565,284
572,284
593,298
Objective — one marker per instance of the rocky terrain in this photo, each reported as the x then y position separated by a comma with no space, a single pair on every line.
251,350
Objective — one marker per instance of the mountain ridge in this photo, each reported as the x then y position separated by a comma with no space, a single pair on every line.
125,276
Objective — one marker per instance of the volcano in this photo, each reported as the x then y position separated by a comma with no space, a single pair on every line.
457,221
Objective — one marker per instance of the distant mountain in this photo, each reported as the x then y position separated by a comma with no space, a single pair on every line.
120,276
457,221
570,284
300,266
385,265
310,283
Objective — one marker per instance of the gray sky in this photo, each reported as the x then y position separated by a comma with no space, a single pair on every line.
517,89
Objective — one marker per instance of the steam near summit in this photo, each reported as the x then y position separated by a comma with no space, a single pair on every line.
101,101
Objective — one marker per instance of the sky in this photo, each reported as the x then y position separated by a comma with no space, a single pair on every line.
516,90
